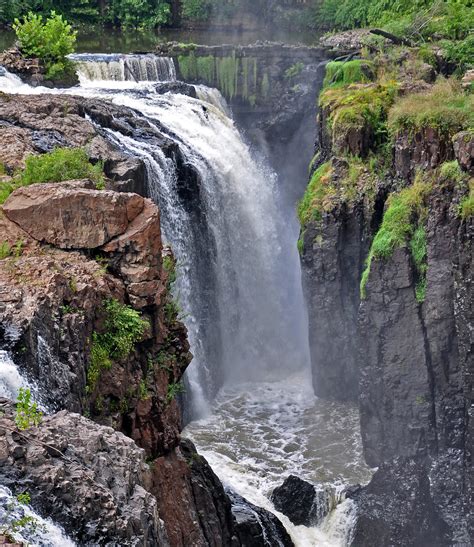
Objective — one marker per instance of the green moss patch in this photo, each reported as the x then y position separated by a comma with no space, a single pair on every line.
359,106
466,208
445,108
312,203
350,72
403,223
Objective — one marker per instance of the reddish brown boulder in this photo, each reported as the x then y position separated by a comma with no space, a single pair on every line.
69,217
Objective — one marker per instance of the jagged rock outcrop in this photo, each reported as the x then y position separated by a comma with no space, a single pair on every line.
92,480
463,144
302,502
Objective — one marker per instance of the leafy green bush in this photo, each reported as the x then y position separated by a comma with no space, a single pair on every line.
59,165
27,413
444,107
139,13
402,222
461,53
51,41
123,328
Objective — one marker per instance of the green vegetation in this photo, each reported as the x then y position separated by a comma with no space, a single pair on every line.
24,498
27,414
123,328
312,204
466,208
50,40
340,73
294,70
59,165
444,107
140,14
7,250
359,106
174,389
403,222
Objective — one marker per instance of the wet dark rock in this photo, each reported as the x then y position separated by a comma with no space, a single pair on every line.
464,150
254,526
176,87
302,502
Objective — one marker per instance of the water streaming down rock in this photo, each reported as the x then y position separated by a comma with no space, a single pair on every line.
119,68
10,378
33,530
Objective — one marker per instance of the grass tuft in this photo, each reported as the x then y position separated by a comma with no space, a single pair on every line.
341,73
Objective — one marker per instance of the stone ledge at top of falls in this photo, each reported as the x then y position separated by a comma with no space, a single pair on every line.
258,49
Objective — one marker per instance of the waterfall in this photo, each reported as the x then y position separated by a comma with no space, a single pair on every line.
239,287
10,378
28,527
120,68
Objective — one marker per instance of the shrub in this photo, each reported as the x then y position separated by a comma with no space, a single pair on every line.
445,107
466,208
294,70
349,72
51,41
402,222
59,165
124,327
27,413
174,389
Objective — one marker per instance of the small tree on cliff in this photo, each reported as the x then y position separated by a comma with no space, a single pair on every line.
49,40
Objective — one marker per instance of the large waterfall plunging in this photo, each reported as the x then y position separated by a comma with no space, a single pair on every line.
239,289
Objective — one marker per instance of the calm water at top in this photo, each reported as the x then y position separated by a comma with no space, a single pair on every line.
116,41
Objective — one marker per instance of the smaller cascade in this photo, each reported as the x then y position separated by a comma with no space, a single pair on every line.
10,378
25,526
123,68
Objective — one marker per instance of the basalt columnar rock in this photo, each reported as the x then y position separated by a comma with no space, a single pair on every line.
396,320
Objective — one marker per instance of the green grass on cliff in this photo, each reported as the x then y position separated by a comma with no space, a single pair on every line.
445,107
312,203
466,209
349,72
57,166
123,328
403,223
359,106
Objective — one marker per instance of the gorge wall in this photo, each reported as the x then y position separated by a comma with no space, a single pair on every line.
386,252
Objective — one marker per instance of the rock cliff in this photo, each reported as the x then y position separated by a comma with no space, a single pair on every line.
386,252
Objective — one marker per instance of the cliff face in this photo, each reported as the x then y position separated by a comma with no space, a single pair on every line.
87,314
387,268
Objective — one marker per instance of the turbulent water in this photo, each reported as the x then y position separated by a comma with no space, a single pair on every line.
27,526
240,290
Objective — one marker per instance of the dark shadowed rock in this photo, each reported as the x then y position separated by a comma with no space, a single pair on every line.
464,149
397,508
176,87
302,502
256,527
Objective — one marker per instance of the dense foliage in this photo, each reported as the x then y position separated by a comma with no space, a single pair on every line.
51,40
128,13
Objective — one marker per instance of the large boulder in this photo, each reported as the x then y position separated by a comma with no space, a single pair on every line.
256,527
92,480
302,502
70,217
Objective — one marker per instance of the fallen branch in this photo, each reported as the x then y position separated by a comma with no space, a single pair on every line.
395,39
